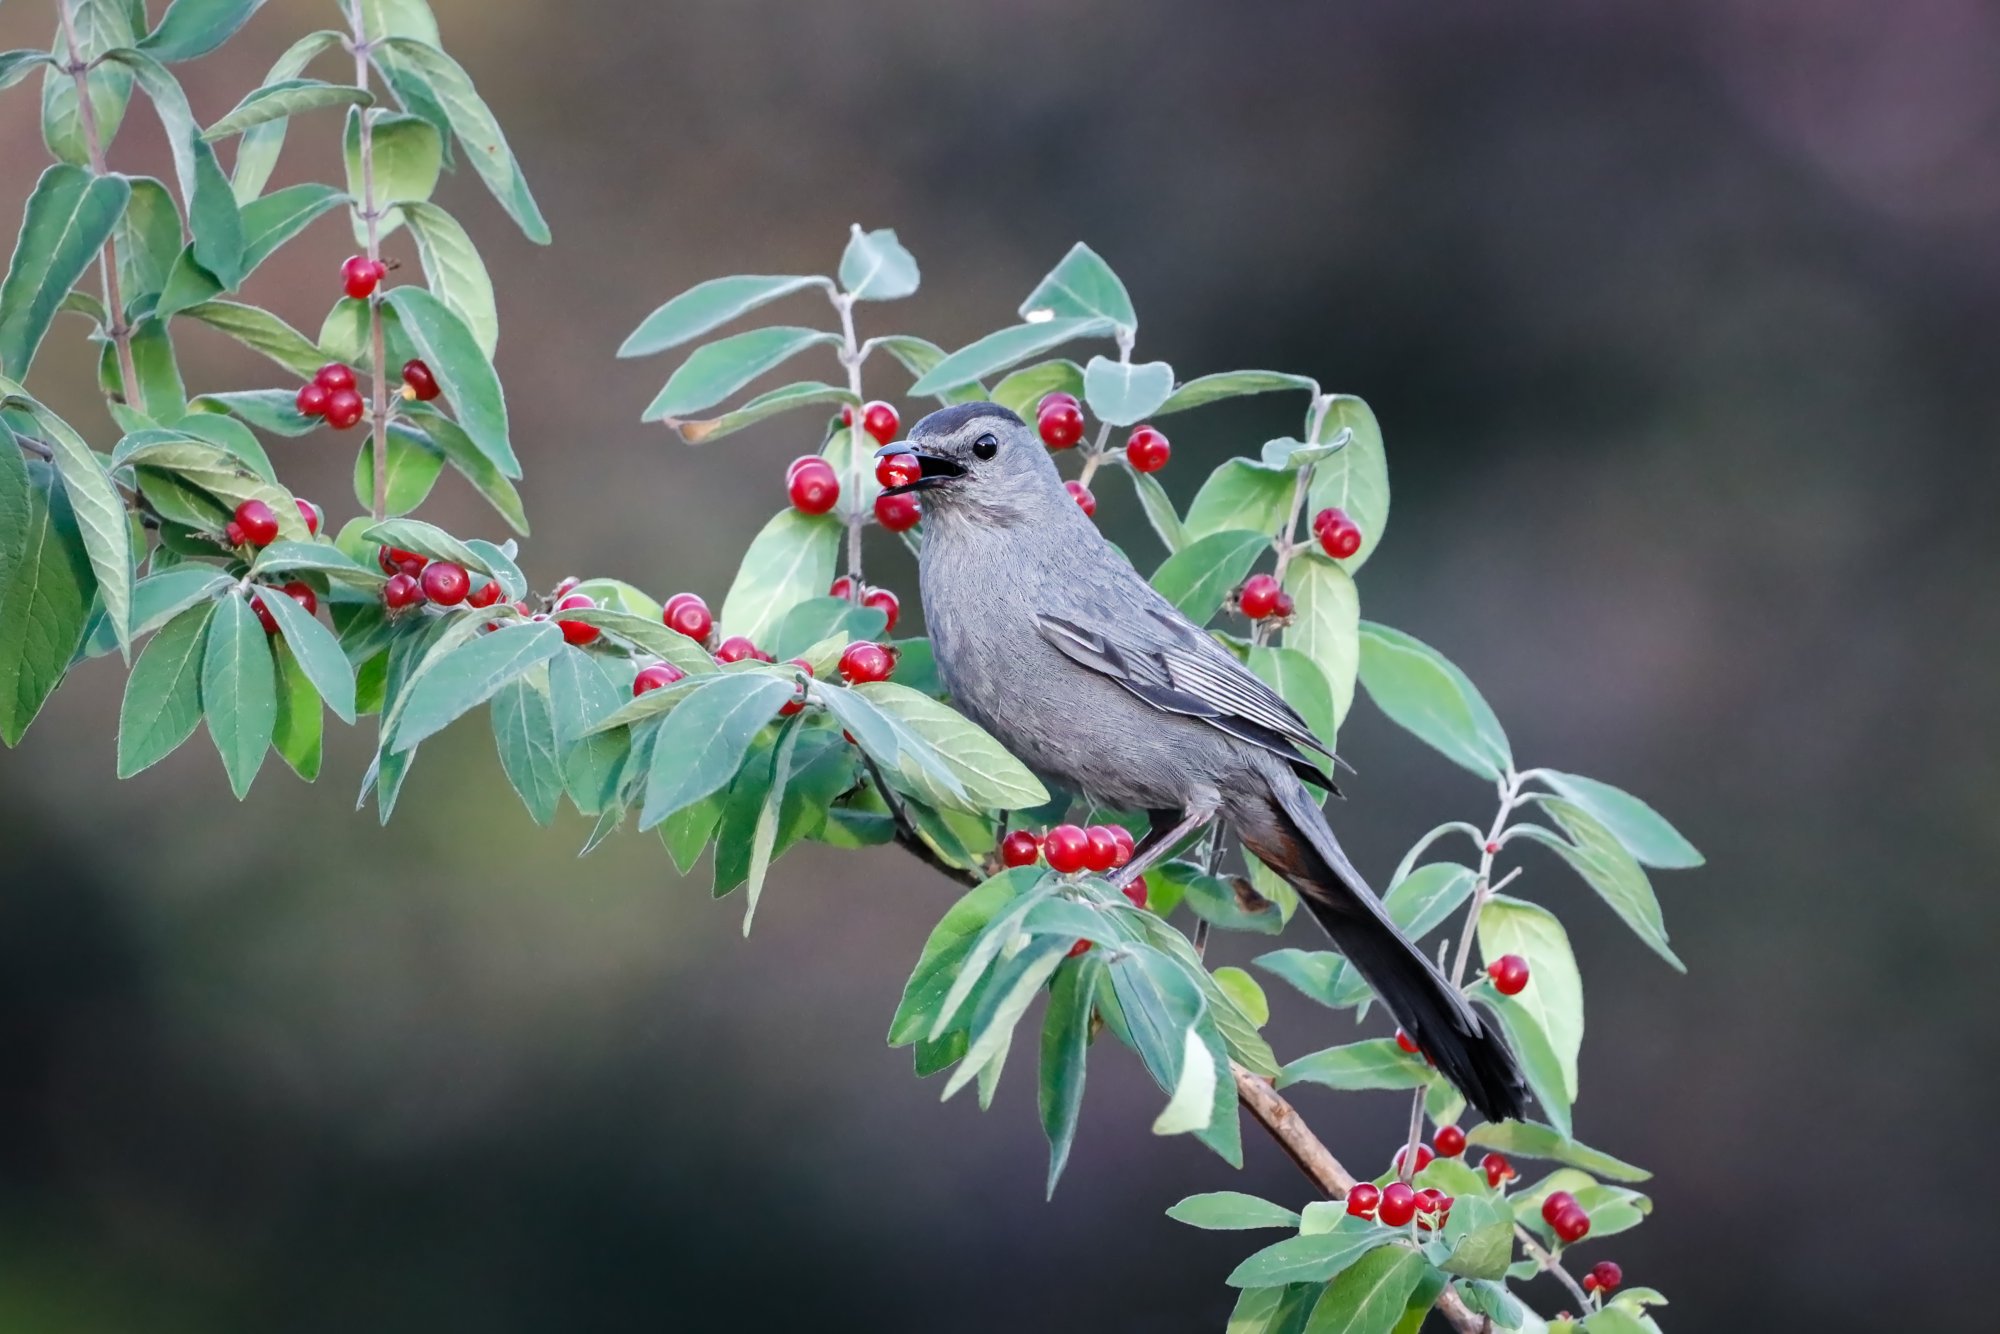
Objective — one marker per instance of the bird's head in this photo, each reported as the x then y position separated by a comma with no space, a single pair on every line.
980,461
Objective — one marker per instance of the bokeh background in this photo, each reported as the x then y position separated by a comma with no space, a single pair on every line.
1680,322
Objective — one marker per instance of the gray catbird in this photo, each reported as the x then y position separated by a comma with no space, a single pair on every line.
1048,638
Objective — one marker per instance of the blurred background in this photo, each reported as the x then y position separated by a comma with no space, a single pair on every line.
1679,324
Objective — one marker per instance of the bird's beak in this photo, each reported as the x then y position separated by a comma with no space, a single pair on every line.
933,470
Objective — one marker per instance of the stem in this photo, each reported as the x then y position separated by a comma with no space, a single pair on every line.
1409,1167
1510,797
850,357
1095,455
1551,1265
378,409
107,259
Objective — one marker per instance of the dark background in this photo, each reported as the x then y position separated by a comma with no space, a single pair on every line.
1679,322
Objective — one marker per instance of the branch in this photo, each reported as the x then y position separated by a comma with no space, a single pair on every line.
379,386
107,259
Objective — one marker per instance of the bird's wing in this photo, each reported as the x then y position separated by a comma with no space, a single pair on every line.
1165,661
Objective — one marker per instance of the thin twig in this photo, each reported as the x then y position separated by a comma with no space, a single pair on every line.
851,357
379,388
1549,1263
107,259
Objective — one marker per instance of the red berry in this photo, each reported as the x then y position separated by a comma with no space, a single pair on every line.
1398,1204
897,513
310,513
401,591
885,602
1337,533
1147,450
843,588
359,275
1100,849
652,678
1555,1202
897,469
1136,891
564,587
812,485
1609,1275
334,375
445,583
847,416
1406,1042
1061,424
1067,848
1123,837
1081,947
423,386
1449,1141
233,531
1054,397
1571,1225
303,594
1020,848
574,632
864,661
798,701
1509,973
1285,606
395,560
736,649
264,617
1497,1169
485,595
1081,495
880,421
311,401
1258,597
343,409
1428,1203
1424,1156
1589,1283
1361,1201
258,522
687,614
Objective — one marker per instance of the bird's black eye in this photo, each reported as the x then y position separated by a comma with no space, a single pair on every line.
985,447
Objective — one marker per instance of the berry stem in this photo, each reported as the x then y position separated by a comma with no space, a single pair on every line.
1416,1137
107,259
1550,1264
1095,454
1484,888
851,356
378,409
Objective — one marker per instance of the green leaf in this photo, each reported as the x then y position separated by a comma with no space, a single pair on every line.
1596,854
581,691
158,598
524,733
163,694
16,505
322,556
1421,900
469,675
212,212
239,691
1191,1107
1231,1210
45,599
97,509
788,398
1327,625
717,370
1159,510
707,306
1065,1050
298,735
160,387
475,467
1480,1235
101,25
18,65
1643,830
703,741
1528,1139
1021,390
1015,982
232,437
946,950
936,737
1243,495
790,560
1314,1258
1492,1299
918,356
1007,347
261,331
455,272
1356,478
1319,975
764,834
1216,900
317,651
1231,384
1369,1297
406,154
648,634
278,101
817,620
414,466
193,28
66,222
1245,994
1303,685
1426,695
1554,996
267,409
876,267
413,65
1374,1063
463,372
1617,1320
279,216
257,152
1126,393
1082,286
1199,578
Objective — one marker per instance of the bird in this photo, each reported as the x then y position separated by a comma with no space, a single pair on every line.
1046,636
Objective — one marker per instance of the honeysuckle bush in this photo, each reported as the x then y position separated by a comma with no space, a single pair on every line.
135,545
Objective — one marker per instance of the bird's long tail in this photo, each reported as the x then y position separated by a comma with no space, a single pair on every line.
1285,830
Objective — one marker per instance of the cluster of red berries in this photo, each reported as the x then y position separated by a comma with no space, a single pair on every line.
331,394
877,418
897,513
255,525
864,661
298,592
1059,419
879,598
360,274
415,578
861,661
1604,1276
1509,973
1337,533
1565,1217
1262,596
1071,848
1395,1204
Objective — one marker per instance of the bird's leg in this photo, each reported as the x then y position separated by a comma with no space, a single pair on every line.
1158,844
